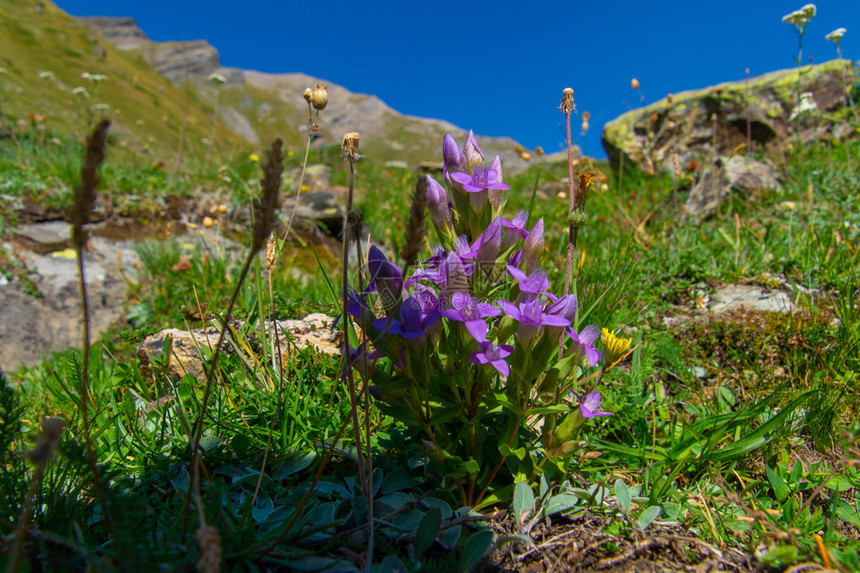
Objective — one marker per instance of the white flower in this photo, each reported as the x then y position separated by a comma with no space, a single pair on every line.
46,75
79,91
807,104
800,18
87,76
217,79
98,78
836,35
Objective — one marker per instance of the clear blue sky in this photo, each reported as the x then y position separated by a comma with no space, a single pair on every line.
499,68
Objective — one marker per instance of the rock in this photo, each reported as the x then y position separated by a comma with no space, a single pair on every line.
709,123
179,61
739,174
320,207
43,238
122,32
759,298
314,330
317,177
396,164
31,326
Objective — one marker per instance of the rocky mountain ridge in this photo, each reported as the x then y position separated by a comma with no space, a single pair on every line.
247,106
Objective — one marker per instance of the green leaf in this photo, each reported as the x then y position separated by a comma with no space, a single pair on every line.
650,514
780,489
442,415
622,494
524,502
559,503
295,463
845,512
427,530
475,547
471,466
506,451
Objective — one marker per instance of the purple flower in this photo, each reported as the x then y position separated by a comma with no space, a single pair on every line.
531,316
411,324
589,406
491,354
481,179
583,343
535,284
437,204
468,310
516,230
452,156
533,247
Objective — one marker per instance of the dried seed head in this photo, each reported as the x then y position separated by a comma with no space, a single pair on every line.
271,253
210,549
539,151
415,227
566,105
145,366
669,99
267,206
350,146
676,163
85,192
308,95
634,83
320,97
586,115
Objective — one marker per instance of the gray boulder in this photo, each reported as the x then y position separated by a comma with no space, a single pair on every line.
739,174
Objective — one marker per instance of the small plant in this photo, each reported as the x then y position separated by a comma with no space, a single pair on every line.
492,397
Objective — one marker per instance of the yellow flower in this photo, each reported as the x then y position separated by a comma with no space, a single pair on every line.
614,347
254,157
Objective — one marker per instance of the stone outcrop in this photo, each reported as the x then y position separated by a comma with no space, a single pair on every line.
740,174
314,330
709,123
123,33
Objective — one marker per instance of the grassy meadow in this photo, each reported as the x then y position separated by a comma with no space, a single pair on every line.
733,439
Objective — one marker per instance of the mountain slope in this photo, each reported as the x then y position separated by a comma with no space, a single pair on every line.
156,88
45,53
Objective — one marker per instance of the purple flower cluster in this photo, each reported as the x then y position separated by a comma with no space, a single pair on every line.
482,290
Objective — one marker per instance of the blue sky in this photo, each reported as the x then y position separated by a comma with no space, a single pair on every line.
499,68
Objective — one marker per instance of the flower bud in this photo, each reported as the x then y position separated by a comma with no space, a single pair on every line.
320,97
533,247
634,83
308,95
472,152
437,204
452,155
